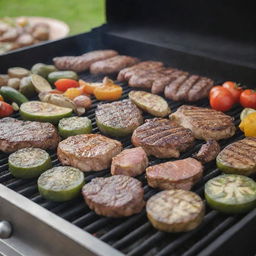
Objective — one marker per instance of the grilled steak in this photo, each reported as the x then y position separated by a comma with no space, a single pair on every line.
115,196
112,65
118,118
180,174
126,73
130,162
82,62
16,134
238,157
188,88
151,79
205,123
162,138
88,152
208,151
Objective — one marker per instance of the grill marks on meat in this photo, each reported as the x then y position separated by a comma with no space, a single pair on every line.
240,155
180,174
88,152
115,196
127,73
16,134
112,65
205,123
208,151
82,62
162,138
130,162
188,88
120,116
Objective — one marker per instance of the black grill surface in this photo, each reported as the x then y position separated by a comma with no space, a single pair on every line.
133,235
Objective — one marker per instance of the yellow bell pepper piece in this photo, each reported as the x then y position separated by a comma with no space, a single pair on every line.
71,93
248,125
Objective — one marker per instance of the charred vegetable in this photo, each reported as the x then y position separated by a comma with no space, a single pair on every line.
26,87
119,118
40,84
231,193
43,69
12,95
61,183
42,111
14,83
74,125
151,103
29,162
238,157
18,72
175,210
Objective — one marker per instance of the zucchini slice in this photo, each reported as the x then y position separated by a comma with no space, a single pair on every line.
42,111
231,193
61,183
40,83
74,125
29,163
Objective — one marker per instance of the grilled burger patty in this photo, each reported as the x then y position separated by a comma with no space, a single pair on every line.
181,174
162,138
205,123
126,73
238,157
88,152
115,196
112,65
82,62
16,134
118,118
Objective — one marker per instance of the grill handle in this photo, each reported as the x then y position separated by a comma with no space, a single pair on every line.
5,229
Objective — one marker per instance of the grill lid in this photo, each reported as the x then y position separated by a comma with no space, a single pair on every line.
212,29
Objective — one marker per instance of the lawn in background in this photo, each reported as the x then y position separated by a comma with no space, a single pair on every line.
80,15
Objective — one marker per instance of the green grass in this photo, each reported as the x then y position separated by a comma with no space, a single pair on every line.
80,15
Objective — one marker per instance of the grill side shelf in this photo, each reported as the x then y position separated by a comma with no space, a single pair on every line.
37,231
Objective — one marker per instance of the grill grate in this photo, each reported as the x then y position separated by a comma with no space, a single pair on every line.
132,235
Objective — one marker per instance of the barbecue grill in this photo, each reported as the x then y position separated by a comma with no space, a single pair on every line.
182,35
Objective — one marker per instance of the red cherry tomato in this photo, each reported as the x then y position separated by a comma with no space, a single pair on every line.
64,84
221,101
5,109
234,89
248,98
217,89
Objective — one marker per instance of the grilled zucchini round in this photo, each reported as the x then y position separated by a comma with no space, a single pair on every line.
61,183
231,193
29,162
74,125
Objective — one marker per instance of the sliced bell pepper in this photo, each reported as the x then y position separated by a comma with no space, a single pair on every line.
71,93
88,88
248,125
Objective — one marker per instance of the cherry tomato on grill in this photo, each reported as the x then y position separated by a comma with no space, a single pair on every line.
234,89
64,84
248,98
221,99
5,109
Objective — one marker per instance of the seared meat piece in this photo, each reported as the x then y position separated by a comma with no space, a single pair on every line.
130,162
126,73
169,75
118,118
205,123
16,134
112,65
188,88
82,62
115,196
162,138
180,174
208,151
88,152
148,79
238,157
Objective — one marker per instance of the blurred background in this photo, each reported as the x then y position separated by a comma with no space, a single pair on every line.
80,15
